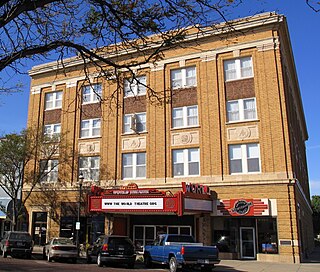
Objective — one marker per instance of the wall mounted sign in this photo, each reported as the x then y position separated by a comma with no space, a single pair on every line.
243,207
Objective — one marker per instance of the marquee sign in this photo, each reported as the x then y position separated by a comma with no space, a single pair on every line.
193,198
243,207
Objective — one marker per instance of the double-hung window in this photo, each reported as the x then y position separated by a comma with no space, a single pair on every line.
53,100
134,123
90,168
183,78
185,116
91,93
241,110
49,170
244,158
135,86
238,68
134,165
186,162
90,128
52,130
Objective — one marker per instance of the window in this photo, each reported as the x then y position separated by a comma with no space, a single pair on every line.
135,86
241,110
244,158
91,93
238,68
53,130
90,168
53,100
183,78
134,122
186,162
185,116
134,165
49,170
90,128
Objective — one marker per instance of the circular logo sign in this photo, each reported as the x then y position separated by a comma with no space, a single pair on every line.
242,207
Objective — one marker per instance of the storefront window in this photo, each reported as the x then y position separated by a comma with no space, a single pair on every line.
267,235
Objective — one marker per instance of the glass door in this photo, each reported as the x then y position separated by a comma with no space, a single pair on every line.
247,243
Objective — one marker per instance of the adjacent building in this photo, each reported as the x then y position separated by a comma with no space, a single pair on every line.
220,156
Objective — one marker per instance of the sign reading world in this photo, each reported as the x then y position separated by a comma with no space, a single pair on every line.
132,204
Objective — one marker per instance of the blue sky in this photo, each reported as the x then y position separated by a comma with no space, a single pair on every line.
304,32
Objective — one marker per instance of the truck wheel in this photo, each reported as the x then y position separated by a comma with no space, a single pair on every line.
148,261
173,264
206,269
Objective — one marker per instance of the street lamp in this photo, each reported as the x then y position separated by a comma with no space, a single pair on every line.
80,181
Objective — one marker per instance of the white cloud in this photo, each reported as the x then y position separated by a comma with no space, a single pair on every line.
314,187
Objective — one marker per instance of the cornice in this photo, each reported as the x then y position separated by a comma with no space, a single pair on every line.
242,24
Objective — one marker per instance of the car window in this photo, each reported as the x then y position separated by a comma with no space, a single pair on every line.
20,236
64,241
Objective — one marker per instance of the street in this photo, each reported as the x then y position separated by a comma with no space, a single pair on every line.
39,265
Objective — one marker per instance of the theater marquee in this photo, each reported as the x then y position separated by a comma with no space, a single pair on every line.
193,198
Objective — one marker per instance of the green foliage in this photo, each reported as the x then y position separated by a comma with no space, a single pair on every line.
315,203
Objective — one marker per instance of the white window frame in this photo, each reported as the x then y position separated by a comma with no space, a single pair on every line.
241,110
88,172
90,128
135,86
238,68
185,116
185,161
49,130
56,103
134,165
132,120
183,79
94,95
51,170
244,158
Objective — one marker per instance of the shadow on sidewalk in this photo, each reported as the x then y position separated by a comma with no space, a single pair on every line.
314,257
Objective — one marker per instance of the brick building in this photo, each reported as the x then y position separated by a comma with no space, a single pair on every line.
223,159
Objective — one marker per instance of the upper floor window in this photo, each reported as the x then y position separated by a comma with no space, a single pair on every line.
244,158
238,68
49,170
134,122
52,130
186,162
53,100
183,78
90,168
90,128
185,116
135,86
241,109
91,93
134,165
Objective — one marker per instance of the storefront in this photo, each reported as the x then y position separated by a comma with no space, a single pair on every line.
143,214
243,228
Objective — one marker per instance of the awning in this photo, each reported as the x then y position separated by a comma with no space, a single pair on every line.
4,204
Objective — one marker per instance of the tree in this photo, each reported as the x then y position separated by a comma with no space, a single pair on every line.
18,165
315,204
56,29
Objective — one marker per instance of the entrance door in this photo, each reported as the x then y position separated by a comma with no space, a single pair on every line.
247,243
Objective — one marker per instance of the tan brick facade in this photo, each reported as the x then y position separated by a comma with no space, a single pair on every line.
278,129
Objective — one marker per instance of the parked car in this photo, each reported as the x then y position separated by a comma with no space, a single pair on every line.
112,249
60,248
16,243
180,251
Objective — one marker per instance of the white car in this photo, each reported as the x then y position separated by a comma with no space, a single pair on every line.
60,248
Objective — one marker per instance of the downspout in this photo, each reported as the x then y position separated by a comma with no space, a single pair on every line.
291,223
219,115
165,124
74,133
